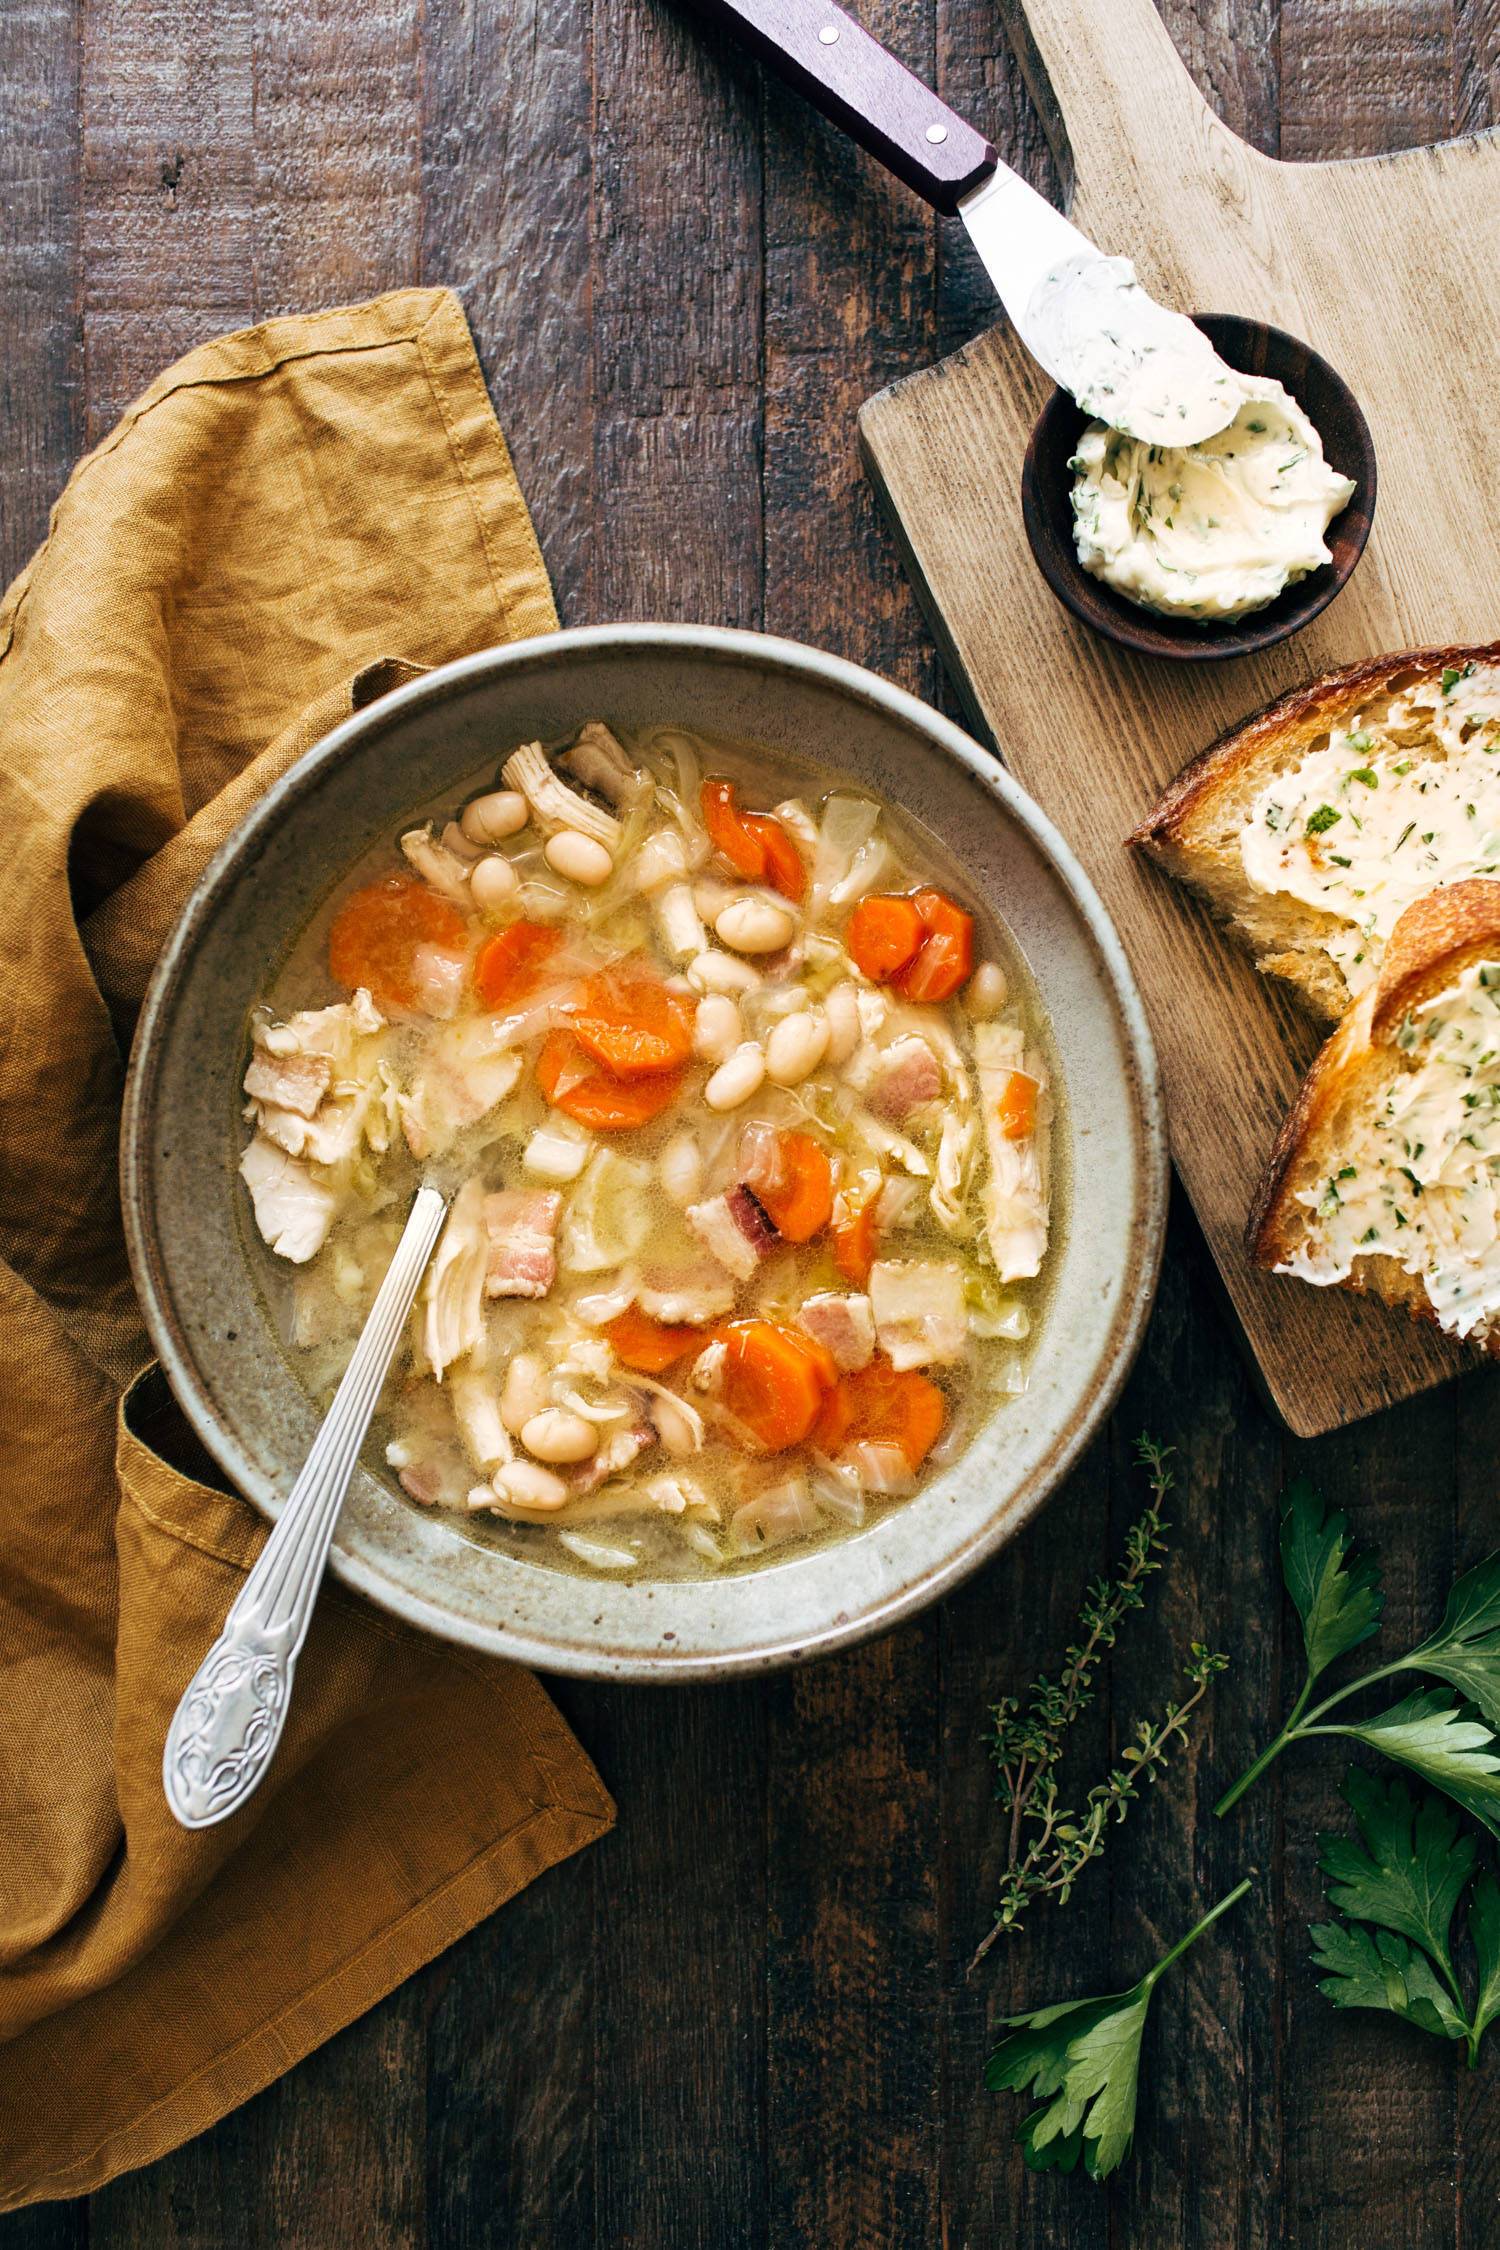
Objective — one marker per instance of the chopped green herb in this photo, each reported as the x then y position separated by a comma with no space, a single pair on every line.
1319,822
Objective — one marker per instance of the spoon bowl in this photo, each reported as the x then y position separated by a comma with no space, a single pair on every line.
1046,505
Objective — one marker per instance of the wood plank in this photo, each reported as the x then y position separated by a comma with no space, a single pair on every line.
167,188
673,529
676,296
852,1997
1371,2092
506,180
244,165
1314,247
507,177
41,377
1400,94
1214,2065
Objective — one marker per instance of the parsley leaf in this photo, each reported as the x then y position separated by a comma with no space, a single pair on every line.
1465,1649
1338,1597
1431,1734
1319,822
1339,1600
1405,1879
1082,2060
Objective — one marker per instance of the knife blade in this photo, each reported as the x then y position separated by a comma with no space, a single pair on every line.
1080,312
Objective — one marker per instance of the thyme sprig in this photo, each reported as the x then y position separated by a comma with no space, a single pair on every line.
1049,1843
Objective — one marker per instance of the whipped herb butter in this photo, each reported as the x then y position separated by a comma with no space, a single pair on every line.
1124,357
1388,808
1211,530
1420,1181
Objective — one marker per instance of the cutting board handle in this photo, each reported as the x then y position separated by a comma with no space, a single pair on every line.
1108,72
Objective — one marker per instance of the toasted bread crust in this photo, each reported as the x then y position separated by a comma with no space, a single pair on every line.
1433,943
1285,726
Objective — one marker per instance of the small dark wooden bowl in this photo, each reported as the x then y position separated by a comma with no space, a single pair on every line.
1046,505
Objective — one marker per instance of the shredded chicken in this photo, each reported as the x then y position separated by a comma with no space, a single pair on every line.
1016,1192
453,1293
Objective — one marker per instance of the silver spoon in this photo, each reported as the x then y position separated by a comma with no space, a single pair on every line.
225,1730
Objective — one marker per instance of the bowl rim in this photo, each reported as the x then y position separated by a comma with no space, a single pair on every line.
1140,630
1152,1162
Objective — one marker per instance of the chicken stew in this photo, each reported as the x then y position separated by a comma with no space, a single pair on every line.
746,1118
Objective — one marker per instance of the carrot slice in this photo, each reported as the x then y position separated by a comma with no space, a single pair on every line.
375,934
774,1381
632,1025
1016,1108
800,1204
834,1417
755,845
650,1346
730,832
854,1241
883,936
945,957
784,867
509,965
887,1408
573,1083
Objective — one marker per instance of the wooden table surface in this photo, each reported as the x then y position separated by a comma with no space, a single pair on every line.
743,2020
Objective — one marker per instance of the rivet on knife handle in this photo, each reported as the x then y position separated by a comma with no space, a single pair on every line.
852,79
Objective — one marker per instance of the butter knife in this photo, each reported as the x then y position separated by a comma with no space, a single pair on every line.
1080,313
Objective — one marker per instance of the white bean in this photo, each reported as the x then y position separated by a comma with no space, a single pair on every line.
556,1434
525,1392
754,925
490,819
796,1047
680,1167
528,1485
987,992
493,884
842,1010
717,1029
721,972
582,859
737,1079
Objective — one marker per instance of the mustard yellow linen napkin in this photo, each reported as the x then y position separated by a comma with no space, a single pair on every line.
289,518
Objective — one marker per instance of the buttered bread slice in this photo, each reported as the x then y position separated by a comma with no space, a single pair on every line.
1386,1176
1312,828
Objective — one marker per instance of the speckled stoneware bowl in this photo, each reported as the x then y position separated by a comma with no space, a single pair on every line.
183,1132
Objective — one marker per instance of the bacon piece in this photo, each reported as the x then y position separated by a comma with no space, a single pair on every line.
522,1226
909,1076
843,1325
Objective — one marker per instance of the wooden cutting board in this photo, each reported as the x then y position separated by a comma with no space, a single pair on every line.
1387,265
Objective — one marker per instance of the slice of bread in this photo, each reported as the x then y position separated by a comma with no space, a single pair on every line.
1344,1154
1413,710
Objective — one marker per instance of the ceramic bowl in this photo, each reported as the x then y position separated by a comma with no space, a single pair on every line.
183,1132
1334,411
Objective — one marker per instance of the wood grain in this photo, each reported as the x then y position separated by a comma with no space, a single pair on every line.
776,1935
1337,254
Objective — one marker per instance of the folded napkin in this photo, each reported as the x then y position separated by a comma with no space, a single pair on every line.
288,521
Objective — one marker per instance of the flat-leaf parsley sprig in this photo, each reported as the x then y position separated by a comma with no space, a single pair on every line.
1397,1893
1083,2060
1338,1596
1050,1843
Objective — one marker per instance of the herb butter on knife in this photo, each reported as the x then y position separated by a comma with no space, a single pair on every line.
1212,530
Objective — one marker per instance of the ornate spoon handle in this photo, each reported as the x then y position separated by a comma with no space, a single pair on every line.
226,1728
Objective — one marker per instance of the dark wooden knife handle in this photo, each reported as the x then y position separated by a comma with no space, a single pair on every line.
858,83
